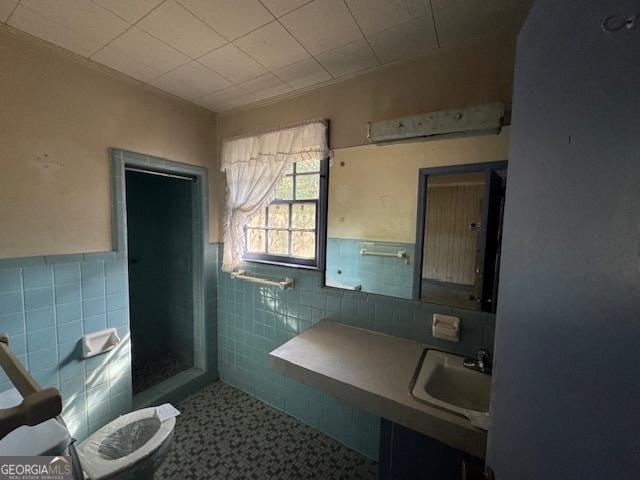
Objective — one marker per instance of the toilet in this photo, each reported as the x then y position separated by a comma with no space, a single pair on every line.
132,446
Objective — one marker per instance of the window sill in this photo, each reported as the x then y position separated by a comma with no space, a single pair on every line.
282,264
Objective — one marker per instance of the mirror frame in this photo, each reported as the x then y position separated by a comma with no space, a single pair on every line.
487,304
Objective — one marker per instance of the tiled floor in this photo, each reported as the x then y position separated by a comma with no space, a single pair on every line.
153,371
224,433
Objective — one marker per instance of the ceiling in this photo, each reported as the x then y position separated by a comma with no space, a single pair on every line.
223,54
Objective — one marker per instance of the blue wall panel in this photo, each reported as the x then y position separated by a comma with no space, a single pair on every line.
391,276
253,320
46,305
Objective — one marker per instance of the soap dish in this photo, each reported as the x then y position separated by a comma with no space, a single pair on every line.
99,342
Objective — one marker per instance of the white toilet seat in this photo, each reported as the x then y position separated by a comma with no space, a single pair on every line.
94,452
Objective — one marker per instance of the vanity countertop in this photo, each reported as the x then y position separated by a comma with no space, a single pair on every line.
373,371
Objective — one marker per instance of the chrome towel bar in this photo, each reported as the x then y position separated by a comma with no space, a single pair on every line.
282,284
398,254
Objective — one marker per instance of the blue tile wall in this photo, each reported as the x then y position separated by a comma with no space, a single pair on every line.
46,305
253,320
211,272
390,276
159,239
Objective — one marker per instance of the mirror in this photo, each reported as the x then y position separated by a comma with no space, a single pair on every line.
372,218
459,235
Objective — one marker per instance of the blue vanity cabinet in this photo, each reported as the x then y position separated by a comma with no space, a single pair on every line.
408,455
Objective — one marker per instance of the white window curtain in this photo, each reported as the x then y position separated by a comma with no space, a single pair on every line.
254,166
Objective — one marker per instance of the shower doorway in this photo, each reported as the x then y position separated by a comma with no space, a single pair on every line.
159,225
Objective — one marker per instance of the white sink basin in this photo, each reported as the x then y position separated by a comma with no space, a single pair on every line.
443,381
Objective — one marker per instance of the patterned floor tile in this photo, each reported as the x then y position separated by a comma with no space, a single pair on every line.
224,433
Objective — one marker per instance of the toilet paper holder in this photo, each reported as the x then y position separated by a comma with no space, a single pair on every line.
446,327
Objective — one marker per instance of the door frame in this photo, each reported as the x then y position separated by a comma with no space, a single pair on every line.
120,160
487,168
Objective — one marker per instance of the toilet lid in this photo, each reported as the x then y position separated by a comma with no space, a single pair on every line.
46,438
106,452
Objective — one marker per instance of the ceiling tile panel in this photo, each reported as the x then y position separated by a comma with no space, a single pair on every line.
280,7
6,7
272,46
181,29
215,101
265,94
191,81
322,25
130,10
303,74
77,25
141,47
129,65
82,16
230,18
409,39
465,19
373,16
177,87
264,82
232,63
348,59
42,27
233,103
201,77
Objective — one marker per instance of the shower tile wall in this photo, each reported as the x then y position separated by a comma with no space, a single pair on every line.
382,275
253,320
46,305
160,270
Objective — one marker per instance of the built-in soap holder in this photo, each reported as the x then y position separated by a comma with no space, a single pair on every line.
446,327
99,342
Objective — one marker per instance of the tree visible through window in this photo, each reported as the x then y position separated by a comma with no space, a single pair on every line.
287,230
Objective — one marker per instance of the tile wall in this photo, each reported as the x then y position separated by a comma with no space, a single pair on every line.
46,305
253,320
391,276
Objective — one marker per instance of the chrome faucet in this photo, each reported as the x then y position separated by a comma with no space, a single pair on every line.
482,362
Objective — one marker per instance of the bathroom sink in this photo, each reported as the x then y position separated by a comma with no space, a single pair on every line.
443,381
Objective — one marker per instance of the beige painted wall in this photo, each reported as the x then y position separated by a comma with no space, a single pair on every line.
481,72
374,195
58,117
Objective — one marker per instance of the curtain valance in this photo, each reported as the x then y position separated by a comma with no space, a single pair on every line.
254,166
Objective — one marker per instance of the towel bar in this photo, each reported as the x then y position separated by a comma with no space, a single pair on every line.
398,254
282,284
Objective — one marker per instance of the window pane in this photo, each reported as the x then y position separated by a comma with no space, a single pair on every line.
308,166
307,187
284,190
303,215
303,244
278,242
279,216
289,169
256,240
259,219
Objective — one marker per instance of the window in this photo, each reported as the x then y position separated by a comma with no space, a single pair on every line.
288,231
